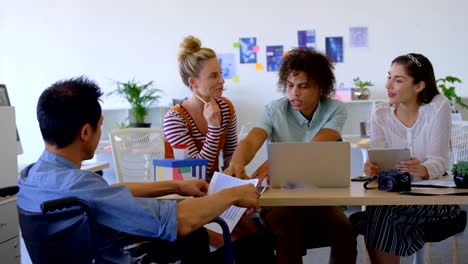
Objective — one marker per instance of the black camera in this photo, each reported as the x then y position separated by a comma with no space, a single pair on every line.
394,181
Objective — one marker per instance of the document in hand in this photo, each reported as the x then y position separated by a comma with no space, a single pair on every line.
233,213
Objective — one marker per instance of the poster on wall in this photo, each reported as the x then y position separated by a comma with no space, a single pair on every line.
246,51
274,56
358,37
334,48
228,65
306,39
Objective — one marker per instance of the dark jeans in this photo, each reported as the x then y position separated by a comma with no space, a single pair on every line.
194,248
297,228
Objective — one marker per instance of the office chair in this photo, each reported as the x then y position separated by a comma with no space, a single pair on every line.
66,231
133,151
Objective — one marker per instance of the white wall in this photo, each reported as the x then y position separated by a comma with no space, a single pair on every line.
44,41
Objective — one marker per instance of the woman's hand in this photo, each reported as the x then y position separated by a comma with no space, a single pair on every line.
212,113
237,171
371,169
414,167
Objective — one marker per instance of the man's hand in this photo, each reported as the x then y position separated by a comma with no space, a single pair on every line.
414,167
237,171
246,196
261,173
371,169
195,188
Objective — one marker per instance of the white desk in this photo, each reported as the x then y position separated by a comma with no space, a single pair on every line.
88,165
94,166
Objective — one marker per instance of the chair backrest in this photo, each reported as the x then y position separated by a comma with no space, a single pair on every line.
459,141
134,150
64,232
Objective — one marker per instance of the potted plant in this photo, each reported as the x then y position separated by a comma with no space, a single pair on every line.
447,86
460,174
361,92
140,96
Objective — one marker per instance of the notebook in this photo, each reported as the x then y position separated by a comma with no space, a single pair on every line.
314,164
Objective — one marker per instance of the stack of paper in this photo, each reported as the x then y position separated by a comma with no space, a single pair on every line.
233,213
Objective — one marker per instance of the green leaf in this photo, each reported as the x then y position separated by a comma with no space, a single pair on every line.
450,91
362,85
139,96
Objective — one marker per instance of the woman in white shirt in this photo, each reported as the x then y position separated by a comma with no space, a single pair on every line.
417,118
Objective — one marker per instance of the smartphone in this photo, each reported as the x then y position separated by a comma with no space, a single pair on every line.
360,178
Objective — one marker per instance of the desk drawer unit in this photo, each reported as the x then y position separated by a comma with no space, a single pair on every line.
10,251
8,221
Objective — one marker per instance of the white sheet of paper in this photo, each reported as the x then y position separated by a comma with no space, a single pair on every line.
444,181
233,213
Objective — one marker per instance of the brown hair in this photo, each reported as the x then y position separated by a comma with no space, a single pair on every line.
191,55
420,68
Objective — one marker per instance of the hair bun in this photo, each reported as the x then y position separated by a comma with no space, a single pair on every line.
189,45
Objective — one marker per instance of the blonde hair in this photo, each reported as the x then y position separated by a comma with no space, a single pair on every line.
191,55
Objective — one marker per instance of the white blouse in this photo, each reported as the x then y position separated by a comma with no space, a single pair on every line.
428,139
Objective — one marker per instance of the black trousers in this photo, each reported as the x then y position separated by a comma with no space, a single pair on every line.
194,248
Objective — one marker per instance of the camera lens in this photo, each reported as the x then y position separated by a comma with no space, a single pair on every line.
389,183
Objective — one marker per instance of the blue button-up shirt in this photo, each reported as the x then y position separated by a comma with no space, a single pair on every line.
53,177
284,124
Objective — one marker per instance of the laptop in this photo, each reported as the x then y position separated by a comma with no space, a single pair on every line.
313,164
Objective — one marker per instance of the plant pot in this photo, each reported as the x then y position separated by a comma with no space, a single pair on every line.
461,181
140,124
360,94
456,117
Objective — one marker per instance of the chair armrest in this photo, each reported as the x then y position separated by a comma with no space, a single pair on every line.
227,239
59,204
8,191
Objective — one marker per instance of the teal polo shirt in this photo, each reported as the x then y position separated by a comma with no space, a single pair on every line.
284,124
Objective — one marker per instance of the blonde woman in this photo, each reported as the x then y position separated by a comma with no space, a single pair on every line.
207,123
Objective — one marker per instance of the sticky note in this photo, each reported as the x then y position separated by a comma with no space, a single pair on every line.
256,48
236,45
235,78
258,66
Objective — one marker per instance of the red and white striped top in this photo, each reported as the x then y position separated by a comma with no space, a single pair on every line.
176,131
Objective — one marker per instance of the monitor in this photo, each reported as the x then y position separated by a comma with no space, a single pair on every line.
5,101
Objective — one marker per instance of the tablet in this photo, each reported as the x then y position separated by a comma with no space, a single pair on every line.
386,159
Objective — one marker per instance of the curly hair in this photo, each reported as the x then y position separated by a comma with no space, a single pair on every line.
420,68
316,66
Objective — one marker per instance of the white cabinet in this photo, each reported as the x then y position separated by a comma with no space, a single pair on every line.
9,235
358,111
9,230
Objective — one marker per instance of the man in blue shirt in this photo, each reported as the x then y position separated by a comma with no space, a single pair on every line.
307,114
70,120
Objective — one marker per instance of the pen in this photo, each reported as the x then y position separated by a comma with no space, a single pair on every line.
201,99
